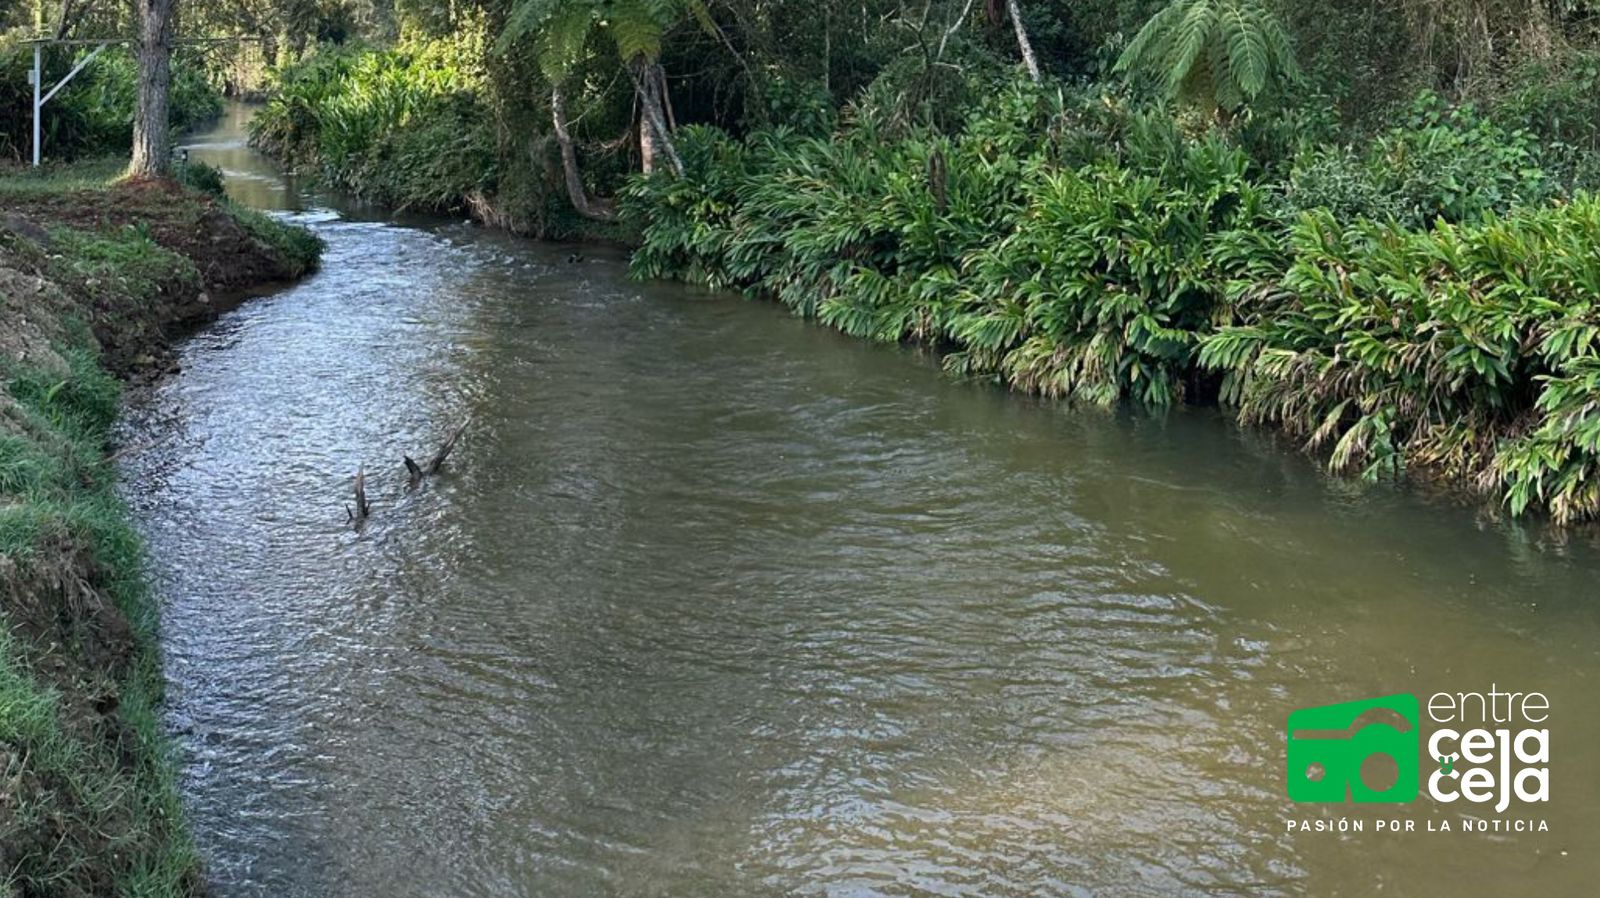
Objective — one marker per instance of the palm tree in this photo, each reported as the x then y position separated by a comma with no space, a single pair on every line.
562,31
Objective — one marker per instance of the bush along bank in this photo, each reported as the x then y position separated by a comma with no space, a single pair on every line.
92,281
418,127
1077,249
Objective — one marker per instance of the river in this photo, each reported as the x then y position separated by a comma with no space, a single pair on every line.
713,601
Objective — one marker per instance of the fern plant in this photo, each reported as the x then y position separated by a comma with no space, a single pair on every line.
1215,54
563,30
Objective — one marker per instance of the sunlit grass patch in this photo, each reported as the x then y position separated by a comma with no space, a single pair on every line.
56,177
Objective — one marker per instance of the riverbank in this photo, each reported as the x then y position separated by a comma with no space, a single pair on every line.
95,279
1415,302
1442,328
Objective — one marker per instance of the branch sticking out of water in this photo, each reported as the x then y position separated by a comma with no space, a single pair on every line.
363,508
437,461
418,472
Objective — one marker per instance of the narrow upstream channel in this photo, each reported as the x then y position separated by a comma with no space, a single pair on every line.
713,601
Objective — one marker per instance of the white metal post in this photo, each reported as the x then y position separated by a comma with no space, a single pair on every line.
38,79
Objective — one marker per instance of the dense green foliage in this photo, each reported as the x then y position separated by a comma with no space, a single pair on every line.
1155,224
401,127
1436,163
410,127
1214,53
1089,252
1467,350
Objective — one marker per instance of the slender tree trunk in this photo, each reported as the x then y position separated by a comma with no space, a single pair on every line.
647,82
1539,34
1014,10
152,151
666,99
647,142
576,192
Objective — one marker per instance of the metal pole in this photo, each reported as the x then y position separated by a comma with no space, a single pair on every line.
82,64
38,78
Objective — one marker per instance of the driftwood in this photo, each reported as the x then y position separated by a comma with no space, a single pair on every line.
418,472
437,461
363,507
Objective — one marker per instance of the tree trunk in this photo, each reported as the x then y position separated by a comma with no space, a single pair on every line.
647,143
1014,10
647,82
152,151
666,99
1539,35
576,192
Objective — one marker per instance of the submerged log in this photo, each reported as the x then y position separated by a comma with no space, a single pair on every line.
363,508
437,461
415,472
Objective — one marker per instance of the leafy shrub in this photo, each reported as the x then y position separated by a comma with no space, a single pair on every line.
1088,281
1450,164
1083,250
408,127
1558,101
371,119
801,106
1467,350
1104,289
851,229
1216,54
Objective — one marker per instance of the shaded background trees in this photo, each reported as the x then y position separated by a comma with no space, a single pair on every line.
448,103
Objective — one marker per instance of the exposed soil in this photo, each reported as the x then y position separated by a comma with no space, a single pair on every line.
229,257
56,598
135,340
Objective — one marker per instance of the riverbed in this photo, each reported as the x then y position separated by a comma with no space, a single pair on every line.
709,600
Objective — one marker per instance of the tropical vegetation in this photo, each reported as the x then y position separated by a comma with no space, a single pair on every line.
1363,225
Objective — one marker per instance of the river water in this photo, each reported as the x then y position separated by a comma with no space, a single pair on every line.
712,601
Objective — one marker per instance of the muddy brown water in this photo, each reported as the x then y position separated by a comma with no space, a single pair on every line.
712,601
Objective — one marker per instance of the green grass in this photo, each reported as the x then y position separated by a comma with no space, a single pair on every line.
88,803
300,248
125,259
91,174
108,819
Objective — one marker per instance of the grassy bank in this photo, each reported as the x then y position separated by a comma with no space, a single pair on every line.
94,279
1420,302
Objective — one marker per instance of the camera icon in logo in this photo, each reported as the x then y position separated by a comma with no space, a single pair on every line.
1363,751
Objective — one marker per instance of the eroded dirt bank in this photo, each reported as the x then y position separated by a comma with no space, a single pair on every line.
94,283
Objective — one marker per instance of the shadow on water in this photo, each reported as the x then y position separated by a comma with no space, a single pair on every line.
714,602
